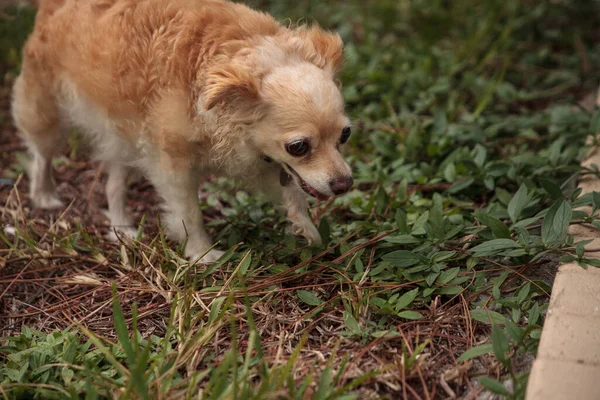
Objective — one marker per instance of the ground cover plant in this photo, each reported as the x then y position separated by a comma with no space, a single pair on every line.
436,269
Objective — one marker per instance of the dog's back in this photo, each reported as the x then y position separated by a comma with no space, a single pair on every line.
122,52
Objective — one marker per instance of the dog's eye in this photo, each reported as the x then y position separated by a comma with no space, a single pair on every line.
297,148
345,134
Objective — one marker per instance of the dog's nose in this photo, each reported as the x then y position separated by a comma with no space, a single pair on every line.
341,185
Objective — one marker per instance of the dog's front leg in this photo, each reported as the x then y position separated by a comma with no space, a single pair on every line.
179,188
294,201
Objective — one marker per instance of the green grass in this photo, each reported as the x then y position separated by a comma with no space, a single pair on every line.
467,144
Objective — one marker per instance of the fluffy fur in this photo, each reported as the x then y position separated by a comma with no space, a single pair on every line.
180,89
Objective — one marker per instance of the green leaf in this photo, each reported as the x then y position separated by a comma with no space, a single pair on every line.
472,262
450,172
306,254
381,200
401,258
534,314
324,384
592,261
496,292
487,317
551,188
401,223
121,328
245,263
412,315
580,249
401,239
70,351
475,351
406,299
451,290
556,222
494,246
499,343
430,279
515,314
523,292
290,241
503,196
442,256
596,200
499,229
325,230
448,275
16,375
309,298
419,226
440,122
595,123
556,150
480,155
513,330
518,203
461,185
351,323
493,385
215,309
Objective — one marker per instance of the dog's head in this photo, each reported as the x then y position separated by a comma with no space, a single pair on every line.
295,107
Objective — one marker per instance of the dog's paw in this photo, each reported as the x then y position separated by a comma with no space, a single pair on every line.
47,200
122,231
199,257
120,226
307,230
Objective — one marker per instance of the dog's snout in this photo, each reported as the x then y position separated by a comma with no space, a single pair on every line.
341,185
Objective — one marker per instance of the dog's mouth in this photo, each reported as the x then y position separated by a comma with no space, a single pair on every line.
286,177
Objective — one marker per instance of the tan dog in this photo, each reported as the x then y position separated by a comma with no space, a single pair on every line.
181,89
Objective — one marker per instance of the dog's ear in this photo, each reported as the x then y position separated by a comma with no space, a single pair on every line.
322,48
231,83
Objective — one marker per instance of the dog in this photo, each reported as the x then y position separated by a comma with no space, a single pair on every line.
181,90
